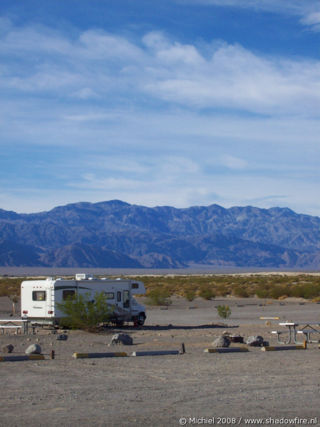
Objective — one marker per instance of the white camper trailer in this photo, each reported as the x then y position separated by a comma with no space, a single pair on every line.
39,298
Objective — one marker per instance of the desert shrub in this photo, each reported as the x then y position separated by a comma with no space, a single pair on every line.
254,284
158,296
240,291
81,312
279,291
262,292
224,311
9,286
307,291
190,294
206,292
221,290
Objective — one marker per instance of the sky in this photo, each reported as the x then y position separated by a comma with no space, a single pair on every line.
160,102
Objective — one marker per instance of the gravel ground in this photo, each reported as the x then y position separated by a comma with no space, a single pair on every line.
199,387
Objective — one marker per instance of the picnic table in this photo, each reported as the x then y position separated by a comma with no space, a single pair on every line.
294,328
17,324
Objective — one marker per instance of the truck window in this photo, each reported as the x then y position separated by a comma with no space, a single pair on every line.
109,295
135,286
126,299
38,295
68,294
119,296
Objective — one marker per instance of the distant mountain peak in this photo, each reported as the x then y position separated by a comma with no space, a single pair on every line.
111,232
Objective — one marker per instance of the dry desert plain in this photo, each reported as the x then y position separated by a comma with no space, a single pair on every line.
281,388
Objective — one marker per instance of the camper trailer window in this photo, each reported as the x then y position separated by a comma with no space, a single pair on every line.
68,294
135,286
109,295
119,296
38,295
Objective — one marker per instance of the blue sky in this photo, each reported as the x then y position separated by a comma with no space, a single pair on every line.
160,102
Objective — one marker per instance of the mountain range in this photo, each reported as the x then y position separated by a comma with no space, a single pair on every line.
121,235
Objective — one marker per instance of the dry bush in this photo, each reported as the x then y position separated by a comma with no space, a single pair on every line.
158,296
206,292
241,292
190,294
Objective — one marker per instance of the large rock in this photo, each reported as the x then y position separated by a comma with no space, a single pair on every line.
222,341
7,348
33,349
121,339
254,341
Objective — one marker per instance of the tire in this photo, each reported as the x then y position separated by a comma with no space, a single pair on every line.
119,323
141,319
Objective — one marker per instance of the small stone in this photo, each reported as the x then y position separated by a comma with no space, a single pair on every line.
33,349
7,348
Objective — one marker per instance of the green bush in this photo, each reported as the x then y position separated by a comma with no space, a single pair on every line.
158,296
224,311
279,291
9,286
190,294
308,291
81,312
206,292
240,291
262,293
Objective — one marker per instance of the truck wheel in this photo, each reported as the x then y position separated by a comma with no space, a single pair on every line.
119,323
141,319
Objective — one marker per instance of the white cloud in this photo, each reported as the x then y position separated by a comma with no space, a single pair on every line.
232,162
85,93
307,10
98,64
313,20
236,78
158,122
103,46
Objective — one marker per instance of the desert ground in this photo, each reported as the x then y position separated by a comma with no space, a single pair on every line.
279,388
